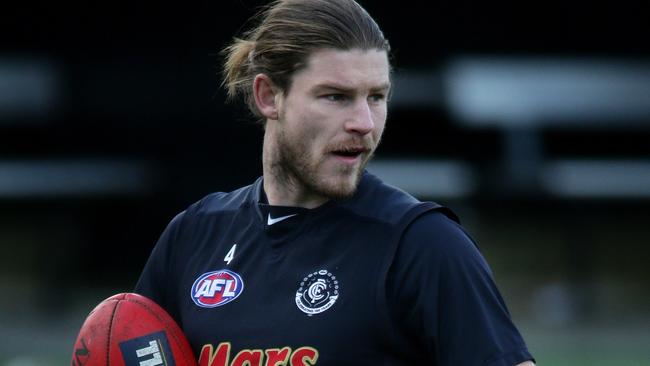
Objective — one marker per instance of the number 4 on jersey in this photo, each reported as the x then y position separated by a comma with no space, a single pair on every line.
230,255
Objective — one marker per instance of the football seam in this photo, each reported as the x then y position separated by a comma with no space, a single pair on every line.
110,333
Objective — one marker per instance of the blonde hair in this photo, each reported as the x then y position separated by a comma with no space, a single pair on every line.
289,31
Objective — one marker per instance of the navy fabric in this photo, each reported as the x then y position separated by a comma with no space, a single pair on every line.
442,293
377,279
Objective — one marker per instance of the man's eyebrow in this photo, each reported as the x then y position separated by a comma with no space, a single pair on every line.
346,88
332,86
384,86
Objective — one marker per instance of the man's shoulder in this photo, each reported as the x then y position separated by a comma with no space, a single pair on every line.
219,202
384,202
438,232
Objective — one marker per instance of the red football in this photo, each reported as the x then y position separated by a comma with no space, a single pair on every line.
131,330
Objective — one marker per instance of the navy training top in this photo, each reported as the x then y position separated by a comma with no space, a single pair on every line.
377,279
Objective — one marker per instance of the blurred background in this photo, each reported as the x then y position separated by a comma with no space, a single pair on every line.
530,120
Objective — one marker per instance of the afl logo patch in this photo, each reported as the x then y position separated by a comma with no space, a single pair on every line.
216,288
318,291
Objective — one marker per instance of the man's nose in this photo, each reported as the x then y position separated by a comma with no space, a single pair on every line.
360,121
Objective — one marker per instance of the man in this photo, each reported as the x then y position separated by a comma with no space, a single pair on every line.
319,262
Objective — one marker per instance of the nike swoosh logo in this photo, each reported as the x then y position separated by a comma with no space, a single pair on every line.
270,221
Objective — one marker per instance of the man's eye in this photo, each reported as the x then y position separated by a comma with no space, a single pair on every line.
377,97
335,97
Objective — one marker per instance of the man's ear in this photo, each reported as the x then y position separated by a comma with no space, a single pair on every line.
265,92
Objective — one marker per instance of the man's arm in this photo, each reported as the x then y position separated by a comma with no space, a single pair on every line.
442,292
153,281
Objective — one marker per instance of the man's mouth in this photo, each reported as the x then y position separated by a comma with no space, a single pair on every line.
350,153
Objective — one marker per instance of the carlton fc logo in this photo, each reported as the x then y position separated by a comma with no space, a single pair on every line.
317,292
216,288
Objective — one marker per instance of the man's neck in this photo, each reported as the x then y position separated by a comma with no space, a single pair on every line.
281,192
281,188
